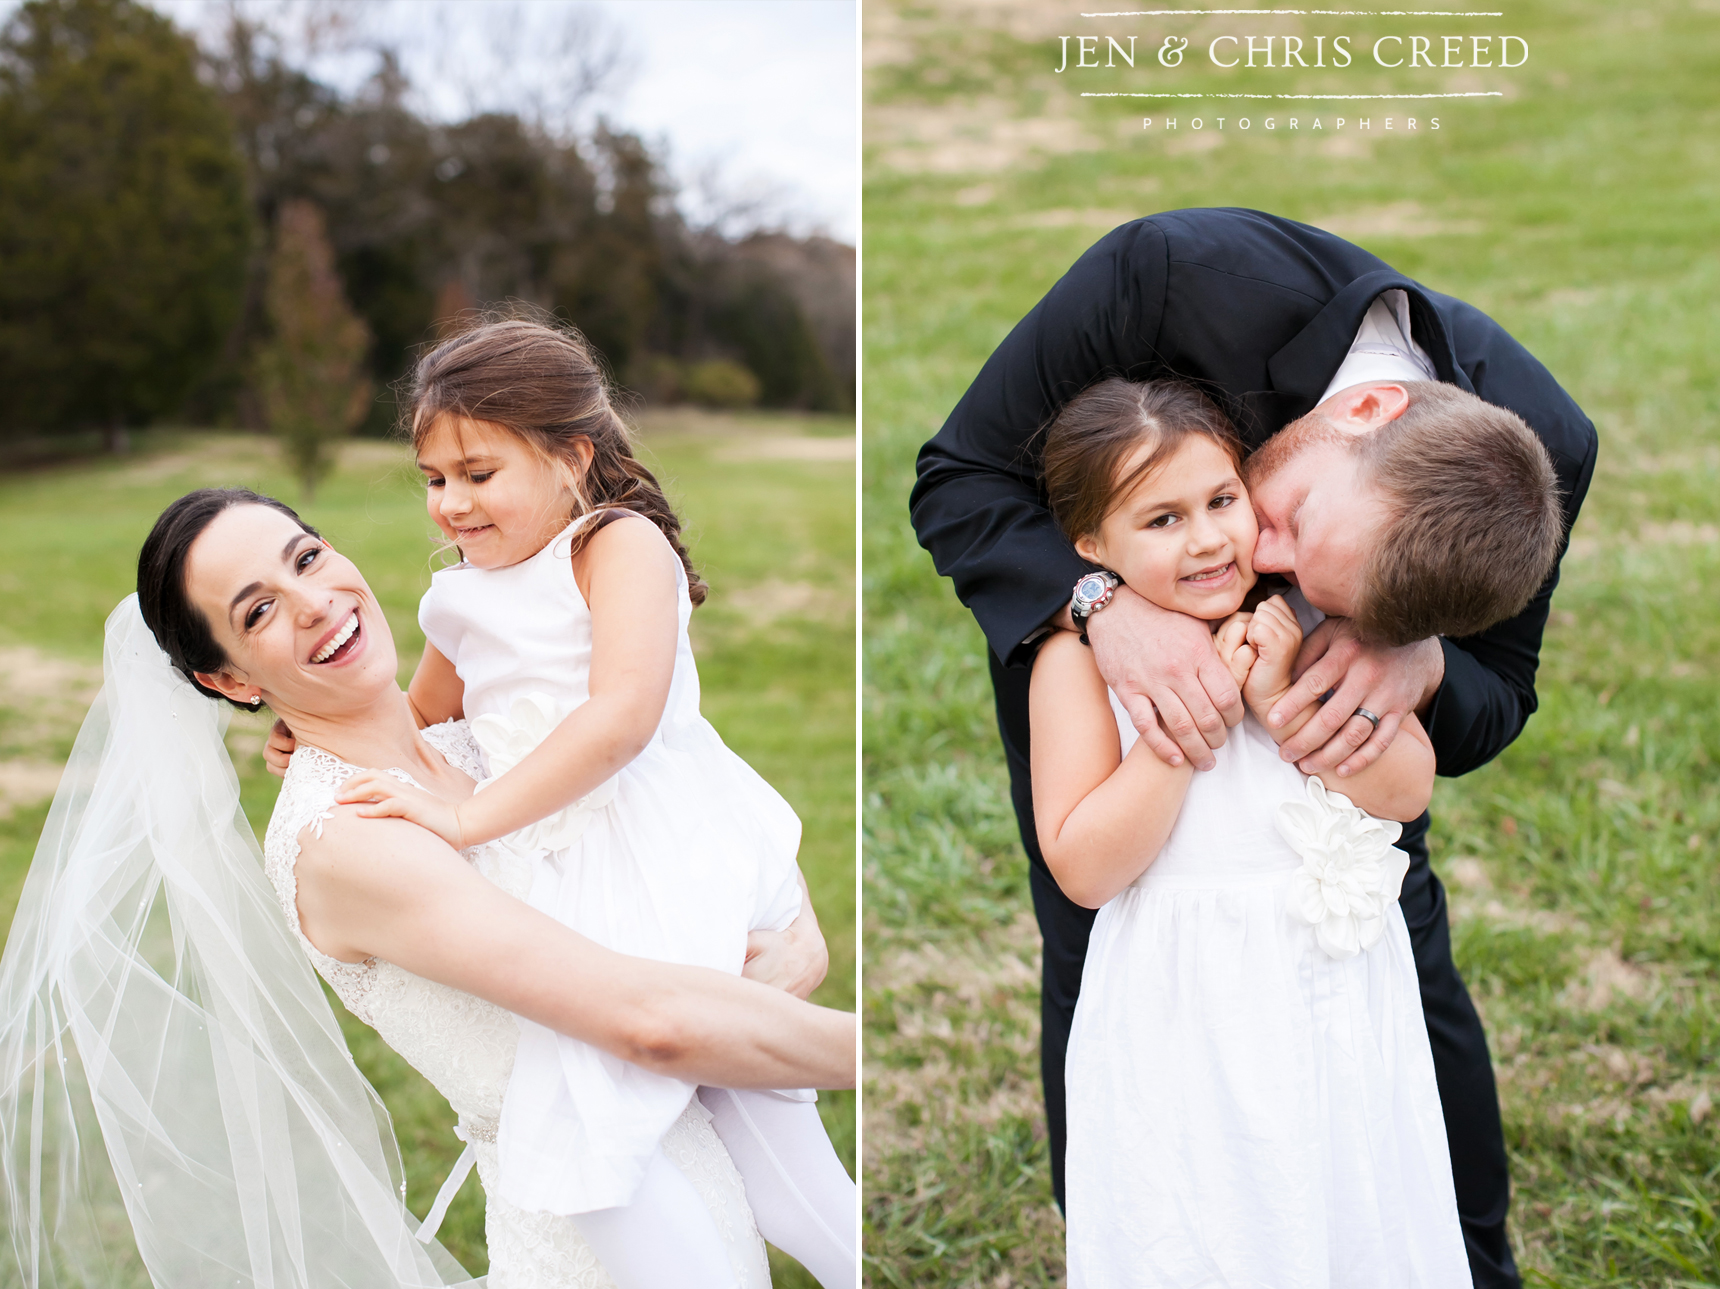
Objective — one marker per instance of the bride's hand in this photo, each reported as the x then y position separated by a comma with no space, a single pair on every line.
278,749
1234,651
381,796
796,958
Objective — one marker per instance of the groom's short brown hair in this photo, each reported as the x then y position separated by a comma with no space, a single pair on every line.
1475,523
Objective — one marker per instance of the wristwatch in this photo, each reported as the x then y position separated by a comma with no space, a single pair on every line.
1092,593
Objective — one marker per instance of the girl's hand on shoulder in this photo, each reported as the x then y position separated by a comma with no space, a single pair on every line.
1276,636
381,796
1234,651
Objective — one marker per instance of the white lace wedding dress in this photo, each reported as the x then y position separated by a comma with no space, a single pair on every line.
465,1047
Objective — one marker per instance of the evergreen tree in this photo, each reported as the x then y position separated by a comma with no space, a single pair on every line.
141,193
311,373
607,280
124,225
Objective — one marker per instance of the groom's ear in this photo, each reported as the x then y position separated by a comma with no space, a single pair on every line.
1364,408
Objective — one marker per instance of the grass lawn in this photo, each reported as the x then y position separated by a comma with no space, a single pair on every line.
1578,212
769,506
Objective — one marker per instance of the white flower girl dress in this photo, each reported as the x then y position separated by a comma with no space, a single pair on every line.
1251,1093
675,858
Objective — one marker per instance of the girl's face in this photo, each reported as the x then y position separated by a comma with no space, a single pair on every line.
1182,537
489,493
296,619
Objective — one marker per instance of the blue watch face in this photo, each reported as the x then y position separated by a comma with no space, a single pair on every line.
1092,588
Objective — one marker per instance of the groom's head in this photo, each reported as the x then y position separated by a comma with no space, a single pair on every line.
1414,508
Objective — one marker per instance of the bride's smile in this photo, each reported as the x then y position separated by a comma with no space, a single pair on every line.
296,611
342,641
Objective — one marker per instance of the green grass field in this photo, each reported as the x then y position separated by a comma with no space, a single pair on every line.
1578,211
769,507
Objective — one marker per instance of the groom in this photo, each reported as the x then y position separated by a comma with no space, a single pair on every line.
1273,319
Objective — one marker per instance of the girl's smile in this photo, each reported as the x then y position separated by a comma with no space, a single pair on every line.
1210,579
1183,536
490,493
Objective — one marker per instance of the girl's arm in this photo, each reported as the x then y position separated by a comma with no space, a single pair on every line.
1397,786
630,580
388,889
436,693
1101,817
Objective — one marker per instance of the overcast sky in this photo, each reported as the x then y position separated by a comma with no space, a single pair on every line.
762,94
769,87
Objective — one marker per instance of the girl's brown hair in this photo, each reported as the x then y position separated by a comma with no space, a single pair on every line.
543,382
1098,429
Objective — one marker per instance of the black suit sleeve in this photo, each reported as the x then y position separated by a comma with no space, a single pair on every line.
1489,689
978,505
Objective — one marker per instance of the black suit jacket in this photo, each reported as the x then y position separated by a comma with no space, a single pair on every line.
1260,312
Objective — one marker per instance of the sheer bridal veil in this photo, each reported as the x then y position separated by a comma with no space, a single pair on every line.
177,1102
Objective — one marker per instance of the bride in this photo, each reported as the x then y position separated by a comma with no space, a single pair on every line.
173,1085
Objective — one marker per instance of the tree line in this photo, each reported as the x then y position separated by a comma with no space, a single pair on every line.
212,234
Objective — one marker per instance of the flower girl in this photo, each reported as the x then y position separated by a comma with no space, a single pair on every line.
562,636
1251,1090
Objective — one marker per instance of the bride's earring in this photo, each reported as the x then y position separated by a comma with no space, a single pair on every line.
256,700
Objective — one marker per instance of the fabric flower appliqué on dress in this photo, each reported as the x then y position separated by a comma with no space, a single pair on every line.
508,740
1351,873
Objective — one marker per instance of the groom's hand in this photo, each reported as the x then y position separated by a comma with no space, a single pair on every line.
1388,682
1165,671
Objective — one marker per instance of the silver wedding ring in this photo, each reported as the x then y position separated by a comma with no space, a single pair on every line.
1366,715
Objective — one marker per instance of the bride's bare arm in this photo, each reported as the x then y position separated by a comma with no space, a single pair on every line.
389,889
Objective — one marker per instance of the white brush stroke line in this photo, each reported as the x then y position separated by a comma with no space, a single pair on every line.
1324,13
1474,94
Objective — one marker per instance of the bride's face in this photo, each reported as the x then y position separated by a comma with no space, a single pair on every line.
295,618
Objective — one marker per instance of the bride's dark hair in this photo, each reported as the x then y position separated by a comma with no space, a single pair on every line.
178,627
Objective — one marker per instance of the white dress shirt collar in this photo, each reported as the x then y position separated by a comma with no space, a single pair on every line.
1384,348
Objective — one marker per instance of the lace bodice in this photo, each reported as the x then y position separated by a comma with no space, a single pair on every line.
465,1046
462,1044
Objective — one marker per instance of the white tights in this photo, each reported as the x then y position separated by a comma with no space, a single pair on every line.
800,1195
664,1239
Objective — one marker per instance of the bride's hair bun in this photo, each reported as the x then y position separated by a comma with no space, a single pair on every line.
178,627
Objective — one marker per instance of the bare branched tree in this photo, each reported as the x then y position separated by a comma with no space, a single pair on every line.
551,66
719,202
